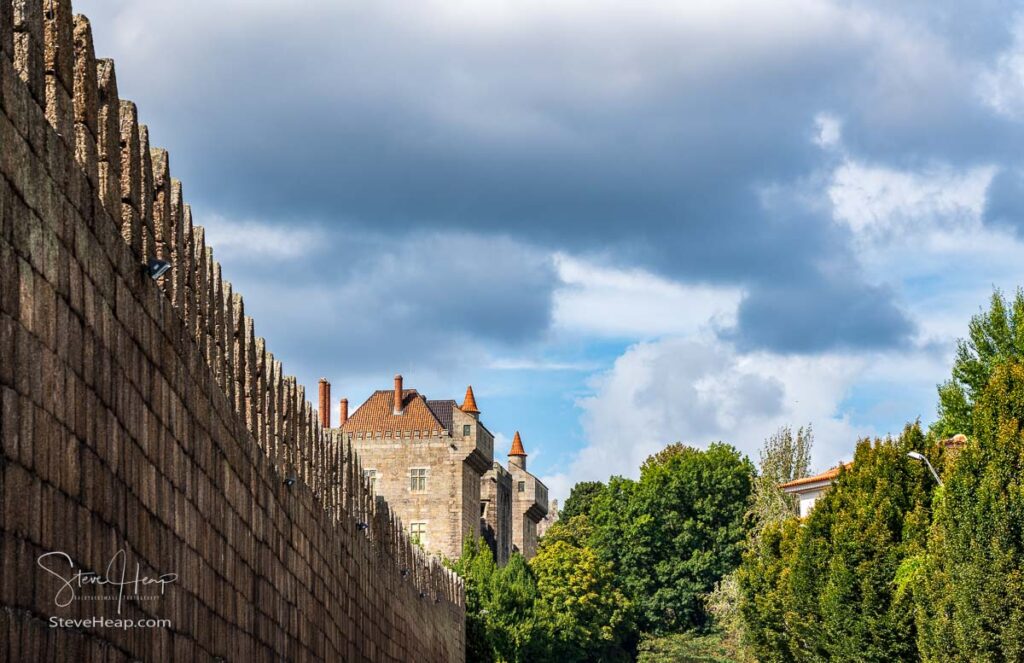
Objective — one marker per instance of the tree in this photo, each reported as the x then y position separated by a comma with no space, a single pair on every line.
576,531
499,605
580,612
970,595
676,532
994,336
783,458
824,589
765,594
477,568
580,498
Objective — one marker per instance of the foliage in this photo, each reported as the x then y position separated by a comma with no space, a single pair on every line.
994,336
499,604
724,605
580,613
824,589
783,458
580,498
674,533
970,598
575,531
687,648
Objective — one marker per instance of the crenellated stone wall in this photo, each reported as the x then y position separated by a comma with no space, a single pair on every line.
147,417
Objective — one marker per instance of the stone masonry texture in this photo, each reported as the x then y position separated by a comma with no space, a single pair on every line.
147,416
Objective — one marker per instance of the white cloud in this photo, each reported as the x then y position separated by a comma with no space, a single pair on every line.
605,301
829,131
252,240
1002,85
877,202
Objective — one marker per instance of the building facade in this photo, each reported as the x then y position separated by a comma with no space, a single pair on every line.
433,461
496,512
426,458
529,501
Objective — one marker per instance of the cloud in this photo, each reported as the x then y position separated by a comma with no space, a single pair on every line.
599,300
642,130
702,390
253,241
1001,86
360,306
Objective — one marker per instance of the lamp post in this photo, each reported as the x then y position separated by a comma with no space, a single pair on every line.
917,456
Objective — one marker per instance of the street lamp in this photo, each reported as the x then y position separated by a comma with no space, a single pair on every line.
917,456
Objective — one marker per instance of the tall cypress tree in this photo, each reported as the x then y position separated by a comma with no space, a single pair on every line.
824,589
970,595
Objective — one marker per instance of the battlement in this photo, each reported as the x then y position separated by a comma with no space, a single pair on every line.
86,202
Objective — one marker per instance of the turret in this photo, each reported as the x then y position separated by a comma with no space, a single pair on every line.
517,455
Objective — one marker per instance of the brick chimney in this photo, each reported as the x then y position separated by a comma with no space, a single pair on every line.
324,406
344,412
398,394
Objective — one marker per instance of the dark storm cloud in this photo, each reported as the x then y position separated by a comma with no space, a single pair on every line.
816,316
1004,200
354,301
647,135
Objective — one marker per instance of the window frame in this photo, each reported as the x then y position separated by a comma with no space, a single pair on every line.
418,479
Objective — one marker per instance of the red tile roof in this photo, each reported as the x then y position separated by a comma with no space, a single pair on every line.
517,446
824,476
377,414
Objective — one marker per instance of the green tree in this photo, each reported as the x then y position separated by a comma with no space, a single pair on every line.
500,604
784,457
674,533
970,595
765,594
825,589
994,336
477,568
575,531
580,498
580,613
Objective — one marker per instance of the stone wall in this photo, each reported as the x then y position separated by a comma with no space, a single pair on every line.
438,506
496,516
147,417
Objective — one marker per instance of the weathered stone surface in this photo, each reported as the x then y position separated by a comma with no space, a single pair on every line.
163,426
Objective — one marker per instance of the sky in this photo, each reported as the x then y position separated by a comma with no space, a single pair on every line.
625,224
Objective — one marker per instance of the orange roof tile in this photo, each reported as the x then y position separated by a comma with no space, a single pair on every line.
517,446
824,476
377,414
469,402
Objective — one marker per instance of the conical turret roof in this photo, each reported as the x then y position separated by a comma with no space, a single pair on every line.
469,403
517,446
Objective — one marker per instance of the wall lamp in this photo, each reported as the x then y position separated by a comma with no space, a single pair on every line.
156,268
362,526
289,482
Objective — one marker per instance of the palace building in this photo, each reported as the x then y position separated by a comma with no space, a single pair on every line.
433,461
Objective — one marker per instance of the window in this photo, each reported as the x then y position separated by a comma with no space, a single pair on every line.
483,509
466,430
371,476
418,479
522,486
418,532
